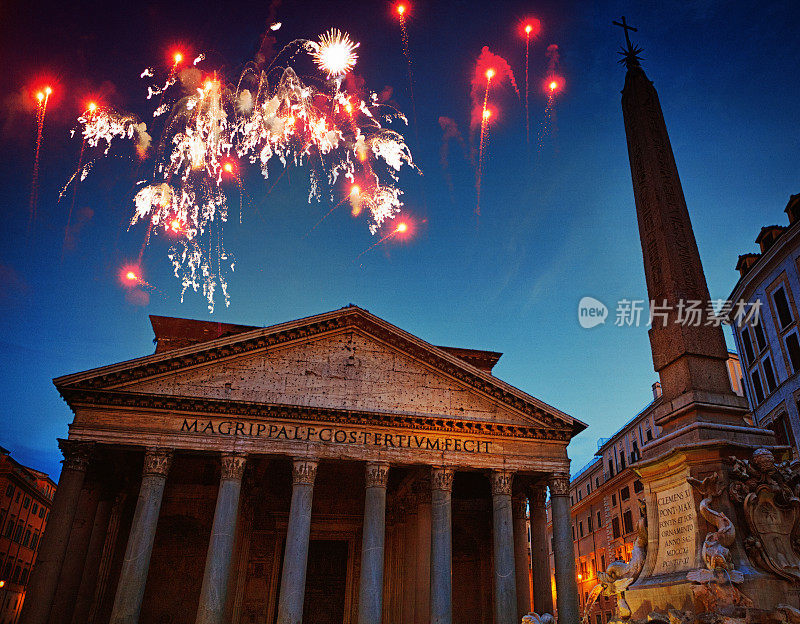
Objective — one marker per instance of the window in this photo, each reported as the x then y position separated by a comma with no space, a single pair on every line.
571,500
613,500
10,490
9,567
598,619
769,375
10,527
589,523
622,460
649,435
34,508
580,528
27,539
16,498
793,349
627,521
41,512
599,521
18,532
24,578
615,527
783,430
758,390
35,540
588,488
603,562
597,482
637,486
635,452
625,493
26,502
761,341
573,532
782,307
748,346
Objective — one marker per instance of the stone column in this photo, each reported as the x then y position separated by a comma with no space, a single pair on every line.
74,559
44,577
409,560
370,589
505,591
563,550
293,580
540,557
519,511
135,565
422,606
94,555
220,547
441,546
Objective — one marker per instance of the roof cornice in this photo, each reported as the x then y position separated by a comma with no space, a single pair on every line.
117,375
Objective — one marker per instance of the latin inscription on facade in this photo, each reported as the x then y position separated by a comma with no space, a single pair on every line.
335,435
677,528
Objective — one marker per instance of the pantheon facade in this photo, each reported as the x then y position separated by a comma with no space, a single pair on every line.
332,469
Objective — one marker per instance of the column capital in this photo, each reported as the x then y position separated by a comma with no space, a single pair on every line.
232,465
304,471
537,495
519,506
501,482
76,454
377,474
442,479
559,484
157,461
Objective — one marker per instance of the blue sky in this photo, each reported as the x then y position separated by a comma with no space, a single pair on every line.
554,227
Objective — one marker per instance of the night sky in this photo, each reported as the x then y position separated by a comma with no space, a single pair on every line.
557,219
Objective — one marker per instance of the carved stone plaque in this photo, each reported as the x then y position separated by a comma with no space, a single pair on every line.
677,529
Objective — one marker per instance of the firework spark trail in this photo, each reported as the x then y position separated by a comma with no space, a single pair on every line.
42,97
485,114
90,109
402,11
553,86
400,229
355,191
532,29
267,118
490,69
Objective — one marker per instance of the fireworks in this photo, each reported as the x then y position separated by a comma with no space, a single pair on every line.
553,85
334,53
401,10
401,228
490,69
270,119
532,28
42,97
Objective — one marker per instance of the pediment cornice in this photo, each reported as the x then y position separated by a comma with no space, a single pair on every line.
116,376
116,399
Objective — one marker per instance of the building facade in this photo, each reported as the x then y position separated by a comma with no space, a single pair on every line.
604,499
327,470
770,345
27,496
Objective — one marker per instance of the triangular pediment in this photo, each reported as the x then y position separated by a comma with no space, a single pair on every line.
343,360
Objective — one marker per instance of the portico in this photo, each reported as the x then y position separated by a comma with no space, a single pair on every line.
331,469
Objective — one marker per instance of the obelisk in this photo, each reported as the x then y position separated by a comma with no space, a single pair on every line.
689,356
702,420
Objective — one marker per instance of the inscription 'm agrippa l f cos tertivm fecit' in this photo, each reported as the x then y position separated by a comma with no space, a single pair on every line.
302,433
